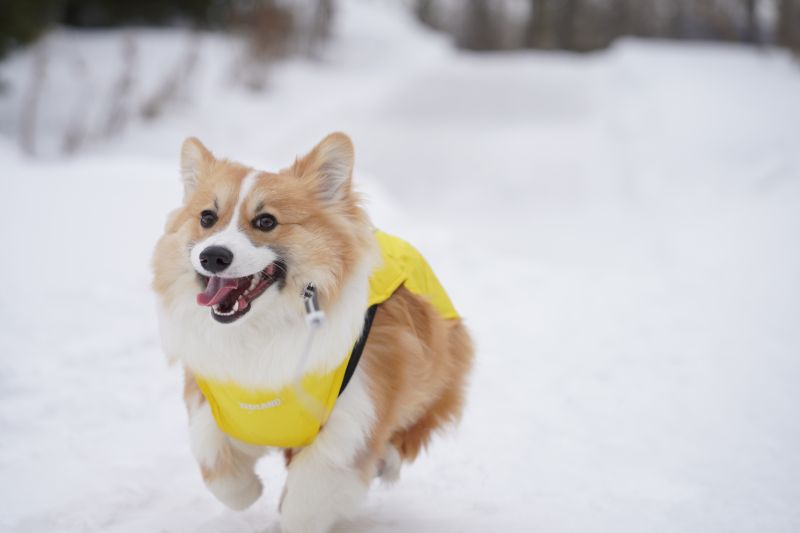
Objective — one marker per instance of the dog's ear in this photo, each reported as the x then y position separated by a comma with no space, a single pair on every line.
195,160
330,166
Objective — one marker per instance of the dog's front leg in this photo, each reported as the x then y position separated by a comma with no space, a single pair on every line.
325,480
227,466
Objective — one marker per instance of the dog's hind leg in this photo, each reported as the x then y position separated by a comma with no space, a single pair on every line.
446,409
409,442
227,466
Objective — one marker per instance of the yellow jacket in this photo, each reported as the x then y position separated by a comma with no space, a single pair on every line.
279,418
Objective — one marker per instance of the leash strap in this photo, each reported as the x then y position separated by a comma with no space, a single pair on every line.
358,349
315,317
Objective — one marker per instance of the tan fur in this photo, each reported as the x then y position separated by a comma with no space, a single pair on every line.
318,233
416,363
221,181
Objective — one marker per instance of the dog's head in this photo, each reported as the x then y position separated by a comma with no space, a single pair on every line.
245,242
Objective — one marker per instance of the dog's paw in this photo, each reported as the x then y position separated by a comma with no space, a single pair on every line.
237,493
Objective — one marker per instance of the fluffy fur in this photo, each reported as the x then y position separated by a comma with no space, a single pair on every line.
411,377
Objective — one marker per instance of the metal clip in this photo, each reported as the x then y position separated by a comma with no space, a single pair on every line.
314,315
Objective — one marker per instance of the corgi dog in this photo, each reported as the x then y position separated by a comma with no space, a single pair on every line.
301,327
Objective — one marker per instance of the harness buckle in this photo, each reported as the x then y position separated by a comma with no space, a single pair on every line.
314,315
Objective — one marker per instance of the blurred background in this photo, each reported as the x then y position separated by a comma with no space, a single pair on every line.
128,85
609,190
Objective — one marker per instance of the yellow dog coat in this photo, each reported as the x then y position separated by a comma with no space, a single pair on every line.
278,418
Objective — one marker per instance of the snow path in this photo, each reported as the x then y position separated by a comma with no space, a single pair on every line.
619,229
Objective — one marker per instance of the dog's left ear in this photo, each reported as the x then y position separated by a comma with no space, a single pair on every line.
330,166
195,160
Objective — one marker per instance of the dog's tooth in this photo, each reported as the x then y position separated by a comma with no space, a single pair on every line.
236,306
218,311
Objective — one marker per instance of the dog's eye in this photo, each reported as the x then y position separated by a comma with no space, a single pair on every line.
265,222
208,218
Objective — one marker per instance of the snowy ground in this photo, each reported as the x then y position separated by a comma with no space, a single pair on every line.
621,231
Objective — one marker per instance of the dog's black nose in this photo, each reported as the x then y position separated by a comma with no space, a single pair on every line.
216,258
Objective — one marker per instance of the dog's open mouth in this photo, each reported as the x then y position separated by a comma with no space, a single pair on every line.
230,298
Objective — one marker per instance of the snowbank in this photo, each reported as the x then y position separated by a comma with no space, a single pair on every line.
619,229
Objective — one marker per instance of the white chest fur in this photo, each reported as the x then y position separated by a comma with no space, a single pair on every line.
263,350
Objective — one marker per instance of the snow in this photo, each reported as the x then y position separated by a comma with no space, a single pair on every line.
619,229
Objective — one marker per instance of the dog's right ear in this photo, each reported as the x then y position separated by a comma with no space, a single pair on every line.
195,160
330,166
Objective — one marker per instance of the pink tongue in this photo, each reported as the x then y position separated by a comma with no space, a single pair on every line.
216,290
